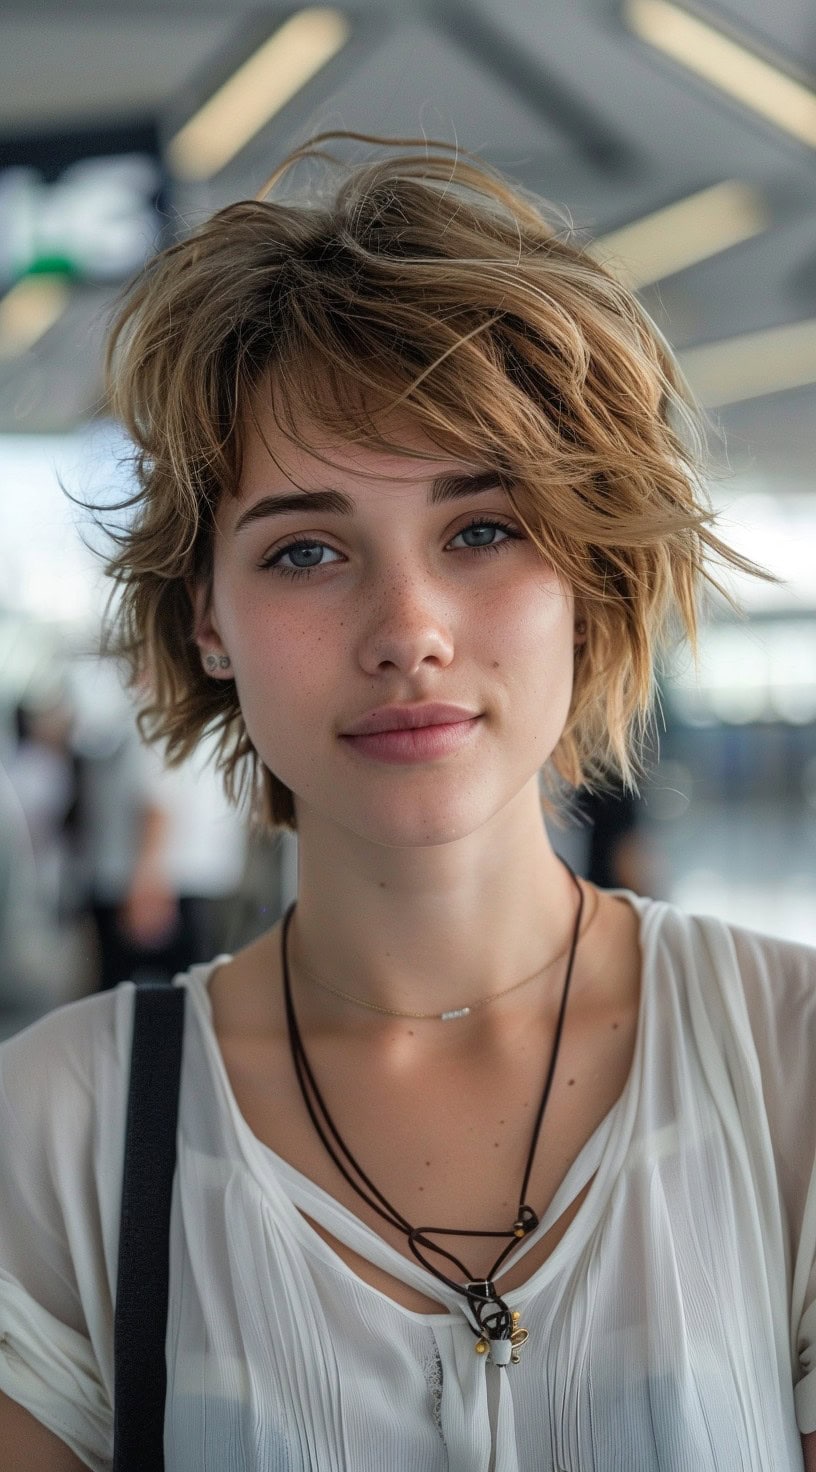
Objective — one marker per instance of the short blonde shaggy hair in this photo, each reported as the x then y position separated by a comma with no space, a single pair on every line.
423,282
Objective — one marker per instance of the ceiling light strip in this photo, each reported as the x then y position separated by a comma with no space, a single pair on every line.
684,233
279,69
752,365
29,309
728,65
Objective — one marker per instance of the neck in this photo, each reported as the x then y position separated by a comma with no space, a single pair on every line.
427,930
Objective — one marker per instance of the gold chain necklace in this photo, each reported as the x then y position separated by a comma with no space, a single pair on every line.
455,1012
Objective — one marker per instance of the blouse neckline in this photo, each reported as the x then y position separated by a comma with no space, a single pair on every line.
598,1161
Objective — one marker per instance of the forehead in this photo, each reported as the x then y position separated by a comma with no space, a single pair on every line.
319,457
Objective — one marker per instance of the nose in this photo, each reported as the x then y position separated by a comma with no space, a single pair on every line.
407,625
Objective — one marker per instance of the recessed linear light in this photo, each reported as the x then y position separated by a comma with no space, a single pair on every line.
29,309
757,84
684,233
256,91
752,365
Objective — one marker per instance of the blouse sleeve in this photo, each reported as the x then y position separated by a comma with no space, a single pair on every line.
780,988
61,1115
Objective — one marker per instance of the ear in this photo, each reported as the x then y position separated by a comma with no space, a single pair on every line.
214,655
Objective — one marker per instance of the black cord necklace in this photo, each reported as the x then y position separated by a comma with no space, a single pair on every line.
496,1327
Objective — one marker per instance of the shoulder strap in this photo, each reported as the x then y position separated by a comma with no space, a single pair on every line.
140,1323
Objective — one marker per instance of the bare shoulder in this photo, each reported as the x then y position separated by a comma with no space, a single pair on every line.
246,993
30,1445
249,1022
609,972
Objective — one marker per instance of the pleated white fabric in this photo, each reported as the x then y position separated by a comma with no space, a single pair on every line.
673,1327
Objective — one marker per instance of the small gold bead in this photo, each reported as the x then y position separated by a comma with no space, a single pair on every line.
481,1346
517,1315
518,1231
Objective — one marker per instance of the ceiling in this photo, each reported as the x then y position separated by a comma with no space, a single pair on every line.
562,96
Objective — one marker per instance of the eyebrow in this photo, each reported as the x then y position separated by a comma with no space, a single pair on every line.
443,488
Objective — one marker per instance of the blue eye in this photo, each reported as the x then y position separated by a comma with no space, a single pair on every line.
310,548
485,526
296,548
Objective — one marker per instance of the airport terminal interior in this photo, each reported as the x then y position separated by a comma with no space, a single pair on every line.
677,141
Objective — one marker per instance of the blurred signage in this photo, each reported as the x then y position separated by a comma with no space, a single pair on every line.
87,205
98,222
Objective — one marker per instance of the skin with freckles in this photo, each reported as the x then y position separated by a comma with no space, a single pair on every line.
395,613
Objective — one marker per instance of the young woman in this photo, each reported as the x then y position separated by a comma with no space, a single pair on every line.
479,1168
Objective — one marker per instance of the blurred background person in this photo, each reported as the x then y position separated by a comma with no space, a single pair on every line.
160,853
41,767
25,990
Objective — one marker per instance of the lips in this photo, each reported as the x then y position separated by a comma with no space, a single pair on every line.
418,744
409,718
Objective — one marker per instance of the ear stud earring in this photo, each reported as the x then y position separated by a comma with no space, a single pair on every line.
217,662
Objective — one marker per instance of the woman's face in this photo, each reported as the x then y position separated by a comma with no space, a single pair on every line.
407,596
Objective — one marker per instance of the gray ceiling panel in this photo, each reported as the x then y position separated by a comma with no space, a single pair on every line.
560,95
75,68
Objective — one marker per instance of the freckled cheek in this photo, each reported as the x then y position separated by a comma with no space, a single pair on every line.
287,709
284,666
260,632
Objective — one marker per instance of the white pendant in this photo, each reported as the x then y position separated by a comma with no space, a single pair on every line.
456,1012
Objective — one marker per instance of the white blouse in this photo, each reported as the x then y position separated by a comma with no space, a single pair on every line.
672,1327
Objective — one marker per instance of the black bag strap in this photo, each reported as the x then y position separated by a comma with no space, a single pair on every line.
140,1323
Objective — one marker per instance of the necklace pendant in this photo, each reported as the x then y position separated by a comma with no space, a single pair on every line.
505,1352
525,1222
454,1013
518,1339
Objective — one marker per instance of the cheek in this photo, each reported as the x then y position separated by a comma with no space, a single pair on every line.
263,633
529,623
285,666
529,640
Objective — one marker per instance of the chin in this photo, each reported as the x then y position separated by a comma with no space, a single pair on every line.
418,823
